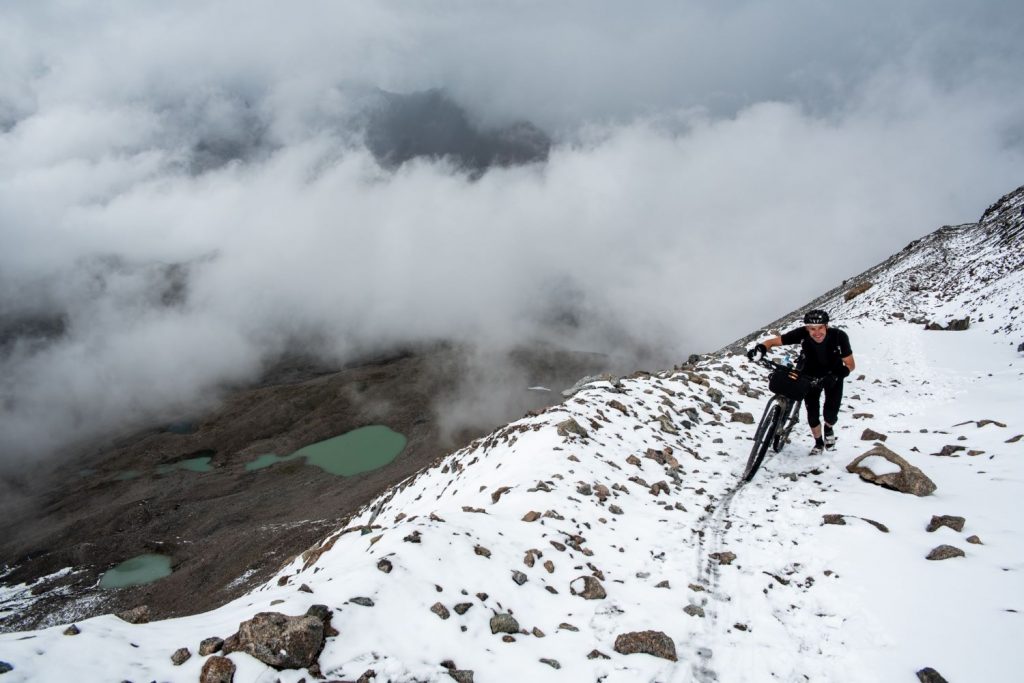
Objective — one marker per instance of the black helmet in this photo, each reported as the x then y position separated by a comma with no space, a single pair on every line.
816,317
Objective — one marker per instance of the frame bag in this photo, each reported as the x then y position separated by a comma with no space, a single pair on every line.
790,383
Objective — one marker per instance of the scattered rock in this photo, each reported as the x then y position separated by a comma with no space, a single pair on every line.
531,516
694,611
952,521
908,478
217,669
537,633
72,630
862,416
385,566
362,601
833,519
440,610
878,525
589,589
5,668
663,584
504,623
930,675
950,450
857,290
553,663
481,551
615,509
1015,439
568,627
280,641
180,656
462,607
210,645
571,426
461,675
872,435
618,406
136,615
724,557
498,493
304,588
653,643
974,540
945,552
414,537
519,577
597,654
745,418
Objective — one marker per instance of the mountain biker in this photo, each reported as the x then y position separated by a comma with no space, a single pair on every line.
825,352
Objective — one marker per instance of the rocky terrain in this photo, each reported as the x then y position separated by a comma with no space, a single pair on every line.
229,529
608,538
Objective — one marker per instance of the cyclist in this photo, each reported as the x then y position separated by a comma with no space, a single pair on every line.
825,352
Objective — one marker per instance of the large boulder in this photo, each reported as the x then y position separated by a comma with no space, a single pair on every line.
654,643
281,641
883,467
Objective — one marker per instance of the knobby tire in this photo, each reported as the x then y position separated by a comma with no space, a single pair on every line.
789,420
763,437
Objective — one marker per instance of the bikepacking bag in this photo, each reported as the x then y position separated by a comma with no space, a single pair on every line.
790,383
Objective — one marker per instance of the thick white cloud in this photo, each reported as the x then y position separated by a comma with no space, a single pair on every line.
715,165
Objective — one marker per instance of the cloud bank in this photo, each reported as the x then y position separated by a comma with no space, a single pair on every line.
186,192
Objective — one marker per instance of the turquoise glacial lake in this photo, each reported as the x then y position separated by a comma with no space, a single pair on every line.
139,570
361,450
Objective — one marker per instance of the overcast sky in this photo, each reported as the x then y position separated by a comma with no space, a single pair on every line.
715,164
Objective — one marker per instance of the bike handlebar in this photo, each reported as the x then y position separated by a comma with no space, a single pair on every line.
772,365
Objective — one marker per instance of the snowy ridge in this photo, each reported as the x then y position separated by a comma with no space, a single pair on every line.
634,482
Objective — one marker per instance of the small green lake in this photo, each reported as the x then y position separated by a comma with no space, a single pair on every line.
361,450
137,571
201,464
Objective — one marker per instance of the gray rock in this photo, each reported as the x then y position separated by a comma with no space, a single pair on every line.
210,645
945,552
364,602
5,668
504,623
440,610
952,521
72,630
909,479
930,675
974,540
280,641
180,656
571,426
833,519
553,663
217,669
462,607
653,643
482,551
724,557
597,654
872,435
950,450
385,566
461,675
587,587
715,395
745,418
518,577
694,611
136,615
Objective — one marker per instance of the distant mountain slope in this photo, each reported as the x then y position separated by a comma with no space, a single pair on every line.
608,539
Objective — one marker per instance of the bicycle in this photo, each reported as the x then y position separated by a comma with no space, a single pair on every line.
781,414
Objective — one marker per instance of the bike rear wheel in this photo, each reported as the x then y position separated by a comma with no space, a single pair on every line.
763,437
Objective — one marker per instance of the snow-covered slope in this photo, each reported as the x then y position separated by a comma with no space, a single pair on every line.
634,482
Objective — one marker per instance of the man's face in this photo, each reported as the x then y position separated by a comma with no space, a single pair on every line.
817,332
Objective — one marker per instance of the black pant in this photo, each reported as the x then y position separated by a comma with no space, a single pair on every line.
833,397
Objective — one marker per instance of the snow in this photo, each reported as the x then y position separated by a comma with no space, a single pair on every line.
879,465
803,600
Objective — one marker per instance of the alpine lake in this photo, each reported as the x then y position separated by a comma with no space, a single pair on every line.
355,452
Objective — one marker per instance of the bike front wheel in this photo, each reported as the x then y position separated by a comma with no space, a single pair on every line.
790,416
763,437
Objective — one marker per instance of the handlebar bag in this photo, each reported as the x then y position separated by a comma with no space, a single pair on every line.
790,383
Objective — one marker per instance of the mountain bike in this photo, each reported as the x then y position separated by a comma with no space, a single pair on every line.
781,414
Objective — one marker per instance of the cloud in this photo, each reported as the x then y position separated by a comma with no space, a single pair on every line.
184,192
